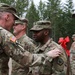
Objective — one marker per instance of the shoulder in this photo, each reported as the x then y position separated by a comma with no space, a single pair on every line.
54,45
6,35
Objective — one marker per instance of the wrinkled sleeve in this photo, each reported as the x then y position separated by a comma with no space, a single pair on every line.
23,57
72,52
60,63
4,60
5,68
72,58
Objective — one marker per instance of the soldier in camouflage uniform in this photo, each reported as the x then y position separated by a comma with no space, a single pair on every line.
19,32
72,52
57,66
3,57
72,56
10,46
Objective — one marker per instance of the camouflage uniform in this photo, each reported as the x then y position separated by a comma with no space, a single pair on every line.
3,57
27,44
72,58
56,66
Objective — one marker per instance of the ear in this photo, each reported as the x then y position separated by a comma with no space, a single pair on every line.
46,32
24,27
7,17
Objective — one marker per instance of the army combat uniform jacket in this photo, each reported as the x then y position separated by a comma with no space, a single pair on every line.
55,66
27,44
72,58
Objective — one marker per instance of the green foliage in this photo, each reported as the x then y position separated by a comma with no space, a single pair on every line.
41,10
20,5
7,1
32,16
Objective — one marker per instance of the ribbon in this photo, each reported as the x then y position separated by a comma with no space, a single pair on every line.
63,42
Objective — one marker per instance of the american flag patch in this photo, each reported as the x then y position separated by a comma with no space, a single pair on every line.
13,39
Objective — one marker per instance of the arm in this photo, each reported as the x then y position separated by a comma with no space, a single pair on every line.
17,52
60,63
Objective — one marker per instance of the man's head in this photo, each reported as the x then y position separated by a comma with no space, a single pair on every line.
7,16
20,26
73,37
41,30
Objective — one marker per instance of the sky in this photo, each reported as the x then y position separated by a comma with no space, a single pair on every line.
63,1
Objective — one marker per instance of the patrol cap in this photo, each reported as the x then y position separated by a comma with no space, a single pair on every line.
7,8
73,35
22,21
39,25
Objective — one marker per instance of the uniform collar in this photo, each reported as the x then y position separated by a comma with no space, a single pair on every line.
45,45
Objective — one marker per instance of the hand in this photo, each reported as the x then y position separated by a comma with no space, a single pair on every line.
54,53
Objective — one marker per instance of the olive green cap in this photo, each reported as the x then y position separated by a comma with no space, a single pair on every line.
7,8
39,25
22,21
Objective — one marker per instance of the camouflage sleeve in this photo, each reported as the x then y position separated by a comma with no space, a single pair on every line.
60,63
5,68
72,52
16,51
4,60
72,58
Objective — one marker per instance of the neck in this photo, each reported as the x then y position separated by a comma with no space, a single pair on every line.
20,34
45,40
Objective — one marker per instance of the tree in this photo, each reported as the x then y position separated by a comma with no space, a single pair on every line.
41,10
32,16
53,13
20,5
67,19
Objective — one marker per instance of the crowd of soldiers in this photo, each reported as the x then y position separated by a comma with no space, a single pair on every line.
28,58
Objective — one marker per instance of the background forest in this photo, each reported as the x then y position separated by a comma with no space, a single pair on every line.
60,15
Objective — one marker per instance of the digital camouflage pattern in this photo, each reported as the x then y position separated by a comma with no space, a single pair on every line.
27,44
55,66
3,60
3,57
72,58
